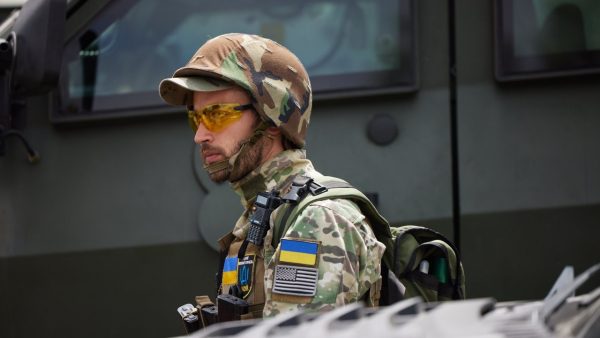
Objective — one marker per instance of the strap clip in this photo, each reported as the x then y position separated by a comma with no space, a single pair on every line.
302,185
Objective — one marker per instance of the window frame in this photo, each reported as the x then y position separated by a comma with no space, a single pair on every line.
509,67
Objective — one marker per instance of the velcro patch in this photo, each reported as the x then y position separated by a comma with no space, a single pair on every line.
245,271
230,271
298,252
295,280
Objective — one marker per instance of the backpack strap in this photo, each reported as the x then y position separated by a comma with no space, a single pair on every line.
306,190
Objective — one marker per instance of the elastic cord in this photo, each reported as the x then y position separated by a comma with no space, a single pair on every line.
226,163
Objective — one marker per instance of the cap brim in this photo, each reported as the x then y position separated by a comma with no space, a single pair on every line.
178,90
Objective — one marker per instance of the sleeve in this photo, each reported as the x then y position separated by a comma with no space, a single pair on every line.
328,257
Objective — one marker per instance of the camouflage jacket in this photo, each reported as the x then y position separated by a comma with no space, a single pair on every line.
330,247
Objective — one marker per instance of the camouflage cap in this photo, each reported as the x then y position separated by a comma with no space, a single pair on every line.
274,77
178,90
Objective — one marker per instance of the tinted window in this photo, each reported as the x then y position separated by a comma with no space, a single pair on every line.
114,64
540,38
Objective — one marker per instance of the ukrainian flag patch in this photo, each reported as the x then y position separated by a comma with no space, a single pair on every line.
298,252
230,271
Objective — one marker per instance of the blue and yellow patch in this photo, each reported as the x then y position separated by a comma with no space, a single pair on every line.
298,252
230,271
245,273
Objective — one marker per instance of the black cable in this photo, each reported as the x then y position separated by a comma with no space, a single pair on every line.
454,122
32,155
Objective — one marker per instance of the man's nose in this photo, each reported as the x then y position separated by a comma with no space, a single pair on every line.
203,135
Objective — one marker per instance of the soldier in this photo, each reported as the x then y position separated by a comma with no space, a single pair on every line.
249,101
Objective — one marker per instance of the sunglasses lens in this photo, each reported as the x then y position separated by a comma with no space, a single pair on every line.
193,119
215,117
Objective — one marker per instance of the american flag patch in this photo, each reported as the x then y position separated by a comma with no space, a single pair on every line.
295,280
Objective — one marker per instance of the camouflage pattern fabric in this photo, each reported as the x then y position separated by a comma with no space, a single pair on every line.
273,76
349,257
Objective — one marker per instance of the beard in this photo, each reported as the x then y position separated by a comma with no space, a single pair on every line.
247,161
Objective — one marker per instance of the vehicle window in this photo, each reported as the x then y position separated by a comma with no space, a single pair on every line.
540,38
114,64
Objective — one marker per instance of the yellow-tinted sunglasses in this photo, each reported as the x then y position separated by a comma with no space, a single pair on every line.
215,117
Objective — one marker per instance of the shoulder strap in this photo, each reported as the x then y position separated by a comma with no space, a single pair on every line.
335,188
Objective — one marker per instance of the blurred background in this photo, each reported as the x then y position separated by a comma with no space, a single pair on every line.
476,118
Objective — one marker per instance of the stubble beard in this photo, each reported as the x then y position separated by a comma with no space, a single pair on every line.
247,161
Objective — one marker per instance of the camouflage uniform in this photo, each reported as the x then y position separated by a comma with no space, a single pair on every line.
347,262
350,255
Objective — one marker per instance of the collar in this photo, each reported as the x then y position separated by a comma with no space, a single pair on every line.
273,174
276,173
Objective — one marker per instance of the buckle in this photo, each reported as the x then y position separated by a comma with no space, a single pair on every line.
301,185
316,188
